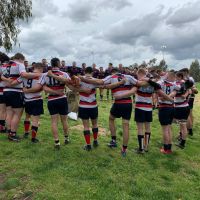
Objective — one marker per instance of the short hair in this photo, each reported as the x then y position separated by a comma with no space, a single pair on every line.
185,70
111,64
88,70
38,65
54,62
3,58
19,56
141,71
114,70
180,74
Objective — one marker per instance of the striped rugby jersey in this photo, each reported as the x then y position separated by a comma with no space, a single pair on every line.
179,101
88,100
30,83
167,87
53,83
13,70
143,98
130,82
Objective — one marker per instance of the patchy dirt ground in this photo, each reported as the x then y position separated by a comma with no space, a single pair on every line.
102,131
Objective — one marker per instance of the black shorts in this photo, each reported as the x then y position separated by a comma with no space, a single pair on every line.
34,108
58,106
14,99
182,113
88,113
2,99
143,116
122,110
191,103
166,116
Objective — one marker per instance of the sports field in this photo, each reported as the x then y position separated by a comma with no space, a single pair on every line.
37,171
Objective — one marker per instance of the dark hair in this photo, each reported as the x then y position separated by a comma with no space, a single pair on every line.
180,74
111,64
185,70
114,70
19,56
33,63
4,58
88,70
54,62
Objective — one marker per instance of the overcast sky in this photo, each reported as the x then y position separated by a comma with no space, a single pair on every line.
118,31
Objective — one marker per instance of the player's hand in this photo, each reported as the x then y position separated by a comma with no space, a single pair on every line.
25,90
50,73
123,81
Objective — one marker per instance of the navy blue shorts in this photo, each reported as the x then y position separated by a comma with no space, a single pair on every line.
166,116
143,116
2,99
182,113
88,113
34,108
14,99
122,110
58,106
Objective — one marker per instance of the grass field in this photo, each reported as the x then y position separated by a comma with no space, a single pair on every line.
37,171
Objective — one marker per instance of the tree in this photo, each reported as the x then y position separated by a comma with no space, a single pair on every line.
195,70
11,12
152,62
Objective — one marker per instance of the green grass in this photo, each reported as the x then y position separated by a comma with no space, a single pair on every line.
37,171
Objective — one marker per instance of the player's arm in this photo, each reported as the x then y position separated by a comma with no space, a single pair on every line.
194,90
94,81
126,94
50,91
184,96
163,95
79,89
34,89
29,75
8,80
114,85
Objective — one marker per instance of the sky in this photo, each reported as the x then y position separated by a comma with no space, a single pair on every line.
117,31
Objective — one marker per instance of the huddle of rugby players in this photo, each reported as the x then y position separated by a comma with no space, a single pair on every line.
21,89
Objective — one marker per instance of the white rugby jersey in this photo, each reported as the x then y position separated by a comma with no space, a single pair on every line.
13,70
88,100
130,82
30,83
167,87
143,98
179,101
53,83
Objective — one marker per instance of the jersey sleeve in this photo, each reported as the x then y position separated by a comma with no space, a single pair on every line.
20,80
66,75
21,68
42,80
131,79
107,80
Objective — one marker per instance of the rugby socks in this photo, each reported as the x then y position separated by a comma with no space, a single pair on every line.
182,143
141,142
101,97
190,131
34,130
169,147
2,125
147,138
114,138
95,133
87,137
165,147
124,148
13,133
27,125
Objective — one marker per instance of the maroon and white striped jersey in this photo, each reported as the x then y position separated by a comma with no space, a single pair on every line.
30,83
54,84
143,98
13,70
88,100
167,87
179,101
130,82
